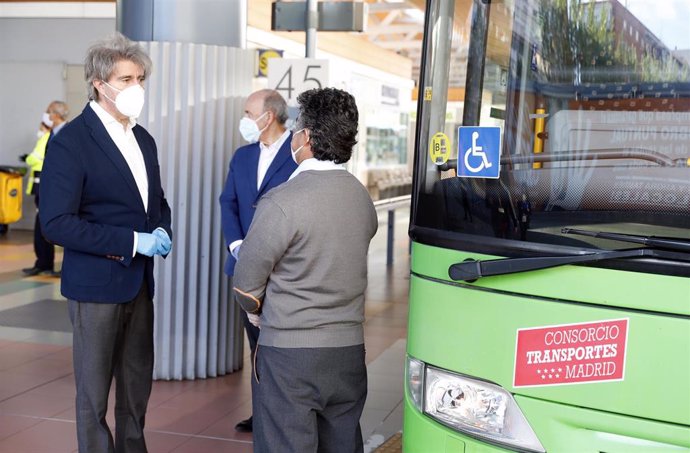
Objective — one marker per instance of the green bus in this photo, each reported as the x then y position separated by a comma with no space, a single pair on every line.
550,224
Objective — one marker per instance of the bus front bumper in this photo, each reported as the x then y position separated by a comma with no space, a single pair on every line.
560,428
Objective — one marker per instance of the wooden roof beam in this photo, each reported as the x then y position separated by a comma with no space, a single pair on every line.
383,6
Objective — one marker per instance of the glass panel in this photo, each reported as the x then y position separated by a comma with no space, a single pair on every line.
387,145
593,102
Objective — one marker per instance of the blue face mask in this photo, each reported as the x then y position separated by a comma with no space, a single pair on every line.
250,130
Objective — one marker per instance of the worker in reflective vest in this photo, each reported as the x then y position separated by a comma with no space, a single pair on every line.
35,159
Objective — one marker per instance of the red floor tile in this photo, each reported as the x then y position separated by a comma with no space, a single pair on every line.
45,437
164,443
66,415
13,383
35,349
17,354
198,445
65,355
62,386
165,390
36,405
224,428
48,368
10,425
185,420
37,387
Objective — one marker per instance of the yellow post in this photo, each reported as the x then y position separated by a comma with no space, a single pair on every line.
539,122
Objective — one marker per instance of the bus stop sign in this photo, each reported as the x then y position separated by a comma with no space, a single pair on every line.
479,150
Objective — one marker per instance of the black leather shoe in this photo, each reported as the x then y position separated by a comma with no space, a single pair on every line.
245,426
31,271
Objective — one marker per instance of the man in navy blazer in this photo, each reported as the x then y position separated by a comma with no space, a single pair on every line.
254,170
102,200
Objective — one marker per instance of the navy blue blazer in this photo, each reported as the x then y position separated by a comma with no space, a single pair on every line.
240,195
90,205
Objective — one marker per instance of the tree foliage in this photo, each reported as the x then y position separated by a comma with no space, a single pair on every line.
579,45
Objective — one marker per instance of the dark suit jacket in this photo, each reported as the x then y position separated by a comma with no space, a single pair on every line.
240,196
90,205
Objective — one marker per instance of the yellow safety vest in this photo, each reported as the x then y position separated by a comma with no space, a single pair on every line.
35,162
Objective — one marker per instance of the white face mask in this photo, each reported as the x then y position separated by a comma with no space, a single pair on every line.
296,151
45,119
250,130
129,101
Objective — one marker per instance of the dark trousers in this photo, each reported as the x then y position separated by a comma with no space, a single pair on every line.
45,251
251,329
112,340
309,400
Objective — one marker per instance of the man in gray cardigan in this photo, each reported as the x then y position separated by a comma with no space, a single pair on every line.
301,276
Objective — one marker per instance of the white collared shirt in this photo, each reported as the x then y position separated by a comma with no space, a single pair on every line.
314,164
266,156
127,144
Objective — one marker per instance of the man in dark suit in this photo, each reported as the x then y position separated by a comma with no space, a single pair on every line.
254,170
102,200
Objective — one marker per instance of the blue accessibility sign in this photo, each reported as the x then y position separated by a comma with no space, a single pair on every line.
479,150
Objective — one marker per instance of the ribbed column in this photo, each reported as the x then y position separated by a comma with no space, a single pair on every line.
195,98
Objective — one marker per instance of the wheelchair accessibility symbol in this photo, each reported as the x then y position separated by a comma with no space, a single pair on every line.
479,151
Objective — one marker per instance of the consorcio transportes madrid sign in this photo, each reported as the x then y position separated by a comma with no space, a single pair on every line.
571,353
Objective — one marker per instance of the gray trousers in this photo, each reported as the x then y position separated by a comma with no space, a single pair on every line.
112,340
308,400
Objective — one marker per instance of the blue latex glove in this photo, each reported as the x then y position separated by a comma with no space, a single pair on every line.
165,242
147,244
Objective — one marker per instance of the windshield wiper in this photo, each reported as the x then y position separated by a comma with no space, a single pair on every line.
472,270
678,245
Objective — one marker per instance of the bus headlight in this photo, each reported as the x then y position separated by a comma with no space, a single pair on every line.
477,408
415,381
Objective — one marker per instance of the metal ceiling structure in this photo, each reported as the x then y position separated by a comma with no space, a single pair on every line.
398,25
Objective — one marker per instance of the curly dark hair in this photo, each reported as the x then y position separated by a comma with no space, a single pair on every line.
331,116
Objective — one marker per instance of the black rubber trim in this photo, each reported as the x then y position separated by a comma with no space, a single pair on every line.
519,249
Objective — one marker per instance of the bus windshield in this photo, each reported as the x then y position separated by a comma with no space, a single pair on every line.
590,101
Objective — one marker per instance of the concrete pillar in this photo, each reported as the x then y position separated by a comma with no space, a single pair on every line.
202,73
221,23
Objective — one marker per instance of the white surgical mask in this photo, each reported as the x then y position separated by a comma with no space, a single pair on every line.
129,101
45,119
296,151
250,130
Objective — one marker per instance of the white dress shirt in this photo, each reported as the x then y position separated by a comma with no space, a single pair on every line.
266,156
314,164
127,144
129,148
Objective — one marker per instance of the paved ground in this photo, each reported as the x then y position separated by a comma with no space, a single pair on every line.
37,384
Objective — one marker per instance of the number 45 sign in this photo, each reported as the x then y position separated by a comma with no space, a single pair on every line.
292,77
